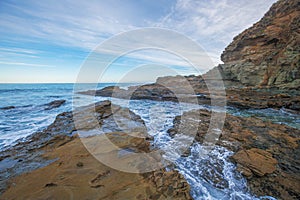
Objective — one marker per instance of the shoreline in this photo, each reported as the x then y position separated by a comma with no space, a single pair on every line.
238,136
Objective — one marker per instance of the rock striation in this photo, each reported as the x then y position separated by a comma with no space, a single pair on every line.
76,174
267,54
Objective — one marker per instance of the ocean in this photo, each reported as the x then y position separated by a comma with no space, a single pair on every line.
29,115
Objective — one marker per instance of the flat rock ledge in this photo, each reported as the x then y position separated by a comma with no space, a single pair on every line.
65,169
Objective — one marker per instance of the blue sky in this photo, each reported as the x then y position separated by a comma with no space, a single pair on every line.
48,41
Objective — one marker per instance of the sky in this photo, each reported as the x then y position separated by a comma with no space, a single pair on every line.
51,41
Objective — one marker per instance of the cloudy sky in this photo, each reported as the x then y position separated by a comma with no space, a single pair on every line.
49,41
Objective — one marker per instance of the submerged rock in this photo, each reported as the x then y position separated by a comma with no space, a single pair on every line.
7,108
54,104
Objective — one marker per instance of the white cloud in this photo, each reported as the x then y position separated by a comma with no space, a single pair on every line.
19,50
81,24
24,64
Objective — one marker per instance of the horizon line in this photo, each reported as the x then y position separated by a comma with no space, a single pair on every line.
66,82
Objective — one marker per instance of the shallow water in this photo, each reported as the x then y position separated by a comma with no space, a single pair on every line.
29,114
209,172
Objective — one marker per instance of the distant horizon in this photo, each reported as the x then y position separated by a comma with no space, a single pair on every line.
69,82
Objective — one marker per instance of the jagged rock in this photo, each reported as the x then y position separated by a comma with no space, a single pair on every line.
243,97
93,179
170,184
60,133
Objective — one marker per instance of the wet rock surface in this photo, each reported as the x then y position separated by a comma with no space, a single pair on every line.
63,179
26,155
260,98
169,184
266,154
54,104
258,161
59,166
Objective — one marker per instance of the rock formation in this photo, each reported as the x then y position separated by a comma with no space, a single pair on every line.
261,67
267,54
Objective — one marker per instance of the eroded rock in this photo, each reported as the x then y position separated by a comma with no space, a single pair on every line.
267,54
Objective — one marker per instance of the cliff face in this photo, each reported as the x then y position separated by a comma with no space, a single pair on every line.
266,54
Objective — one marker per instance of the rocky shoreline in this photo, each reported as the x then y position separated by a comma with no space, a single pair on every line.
266,154
56,164
76,174
261,70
